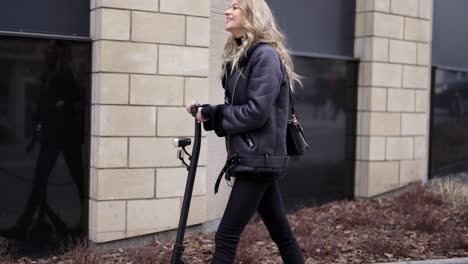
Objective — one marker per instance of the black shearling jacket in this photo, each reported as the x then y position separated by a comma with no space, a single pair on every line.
253,118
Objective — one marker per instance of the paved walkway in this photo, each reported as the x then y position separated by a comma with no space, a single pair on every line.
435,261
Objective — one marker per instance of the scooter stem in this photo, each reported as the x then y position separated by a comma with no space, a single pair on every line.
179,242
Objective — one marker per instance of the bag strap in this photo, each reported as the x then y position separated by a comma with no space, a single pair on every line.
291,105
291,95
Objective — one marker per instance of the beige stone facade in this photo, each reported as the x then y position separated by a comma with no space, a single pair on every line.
393,43
149,58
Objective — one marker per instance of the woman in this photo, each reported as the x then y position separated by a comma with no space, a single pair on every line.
256,73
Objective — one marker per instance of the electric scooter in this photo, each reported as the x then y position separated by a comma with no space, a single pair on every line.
182,143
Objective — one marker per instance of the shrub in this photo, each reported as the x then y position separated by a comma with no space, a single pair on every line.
253,233
356,214
427,220
79,252
316,245
150,254
417,198
378,246
5,252
420,209
453,240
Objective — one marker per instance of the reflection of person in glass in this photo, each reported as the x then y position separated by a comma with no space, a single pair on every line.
329,99
456,106
59,130
337,94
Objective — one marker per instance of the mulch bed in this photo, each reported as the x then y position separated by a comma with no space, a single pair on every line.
415,225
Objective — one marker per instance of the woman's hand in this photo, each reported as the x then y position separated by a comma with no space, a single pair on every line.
199,116
189,106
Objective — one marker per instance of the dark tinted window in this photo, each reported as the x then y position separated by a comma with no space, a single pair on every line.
450,38
57,17
317,26
44,101
326,110
449,122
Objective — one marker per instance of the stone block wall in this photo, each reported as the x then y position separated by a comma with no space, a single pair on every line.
393,42
150,57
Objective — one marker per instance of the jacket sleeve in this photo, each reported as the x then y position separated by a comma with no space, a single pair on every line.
214,116
262,90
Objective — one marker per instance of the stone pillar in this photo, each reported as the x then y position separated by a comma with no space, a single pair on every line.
393,42
149,58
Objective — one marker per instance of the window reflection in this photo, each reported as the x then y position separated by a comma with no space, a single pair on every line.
449,126
326,110
44,88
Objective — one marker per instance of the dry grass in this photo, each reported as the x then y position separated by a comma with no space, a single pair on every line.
151,254
453,240
453,191
253,234
421,210
355,215
421,223
80,252
315,244
379,246
417,198
5,252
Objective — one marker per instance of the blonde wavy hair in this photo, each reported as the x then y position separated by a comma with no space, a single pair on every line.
260,26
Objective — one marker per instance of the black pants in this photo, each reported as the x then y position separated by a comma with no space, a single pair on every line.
247,196
45,163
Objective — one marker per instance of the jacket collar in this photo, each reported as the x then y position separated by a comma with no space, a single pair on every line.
245,58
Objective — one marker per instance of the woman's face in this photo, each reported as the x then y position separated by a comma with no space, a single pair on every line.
234,19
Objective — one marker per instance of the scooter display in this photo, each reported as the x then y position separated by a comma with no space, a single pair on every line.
182,143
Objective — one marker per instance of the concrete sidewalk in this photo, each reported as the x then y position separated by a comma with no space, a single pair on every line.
434,261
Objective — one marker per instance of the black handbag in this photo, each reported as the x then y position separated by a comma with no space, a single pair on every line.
296,142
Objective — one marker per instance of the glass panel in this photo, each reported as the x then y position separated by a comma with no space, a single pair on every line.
44,104
317,26
327,112
449,33
56,17
449,122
